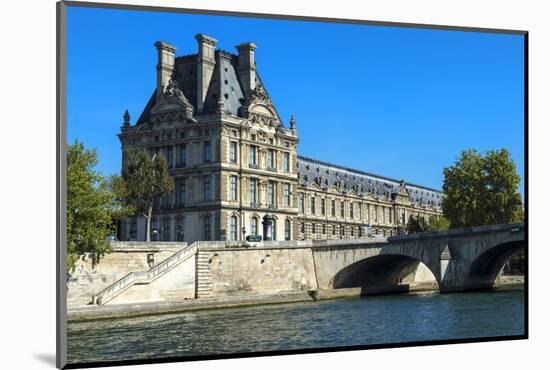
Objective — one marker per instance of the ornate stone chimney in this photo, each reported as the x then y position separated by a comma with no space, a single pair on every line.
205,66
165,65
247,66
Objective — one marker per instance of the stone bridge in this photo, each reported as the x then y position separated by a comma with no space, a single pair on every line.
454,260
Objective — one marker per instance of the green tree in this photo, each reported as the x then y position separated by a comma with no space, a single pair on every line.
438,223
481,189
416,225
90,206
143,179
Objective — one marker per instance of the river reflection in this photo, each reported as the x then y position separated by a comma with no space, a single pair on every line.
372,320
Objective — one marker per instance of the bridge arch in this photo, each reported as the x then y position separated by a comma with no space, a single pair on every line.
485,268
386,273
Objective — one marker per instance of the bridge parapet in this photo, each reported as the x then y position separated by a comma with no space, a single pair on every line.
454,233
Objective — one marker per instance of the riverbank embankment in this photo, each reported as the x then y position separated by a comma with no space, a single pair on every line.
94,312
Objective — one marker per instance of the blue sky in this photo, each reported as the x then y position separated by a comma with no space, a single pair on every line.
398,102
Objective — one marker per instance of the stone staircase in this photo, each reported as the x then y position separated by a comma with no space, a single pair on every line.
144,277
203,277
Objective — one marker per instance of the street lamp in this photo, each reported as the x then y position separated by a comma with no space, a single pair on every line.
243,230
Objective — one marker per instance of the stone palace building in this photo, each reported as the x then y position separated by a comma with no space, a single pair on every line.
234,162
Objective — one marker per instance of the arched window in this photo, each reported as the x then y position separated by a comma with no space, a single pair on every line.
207,228
254,226
287,229
233,228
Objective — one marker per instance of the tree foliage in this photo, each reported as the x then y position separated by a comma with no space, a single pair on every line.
481,189
438,223
416,225
91,206
144,178
420,224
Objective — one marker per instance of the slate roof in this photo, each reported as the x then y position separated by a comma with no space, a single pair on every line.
225,83
327,175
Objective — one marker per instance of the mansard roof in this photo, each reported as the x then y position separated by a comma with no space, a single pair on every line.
225,83
327,175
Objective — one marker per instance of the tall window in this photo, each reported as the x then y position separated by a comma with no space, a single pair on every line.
351,210
183,156
233,228
376,213
322,207
324,229
286,162
301,202
252,159
271,191
312,205
166,230
368,213
207,151
154,230
207,187
233,189
170,156
233,152
253,183
207,228
383,215
333,230
254,226
287,229
333,208
342,208
351,230
133,230
403,216
286,194
182,192
313,231
271,158
391,216
360,209
179,230
302,227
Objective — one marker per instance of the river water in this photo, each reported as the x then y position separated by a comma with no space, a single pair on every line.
370,320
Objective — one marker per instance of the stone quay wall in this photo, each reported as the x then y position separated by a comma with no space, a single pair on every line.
86,279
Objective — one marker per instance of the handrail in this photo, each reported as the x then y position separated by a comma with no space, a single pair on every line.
144,277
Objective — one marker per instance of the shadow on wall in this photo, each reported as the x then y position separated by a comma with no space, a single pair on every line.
385,274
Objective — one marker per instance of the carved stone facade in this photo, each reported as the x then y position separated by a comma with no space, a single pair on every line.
233,161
